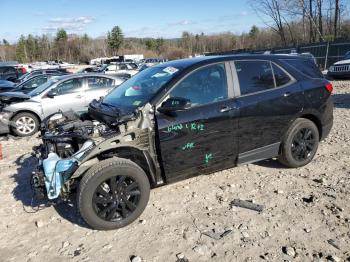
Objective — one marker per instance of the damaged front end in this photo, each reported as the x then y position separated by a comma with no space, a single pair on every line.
73,143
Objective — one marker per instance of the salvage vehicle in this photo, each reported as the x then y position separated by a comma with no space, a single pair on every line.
22,113
37,72
11,72
176,120
340,69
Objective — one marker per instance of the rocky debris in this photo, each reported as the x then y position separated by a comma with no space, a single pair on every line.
310,199
202,250
290,251
181,258
217,235
247,204
40,223
333,243
333,258
142,222
135,259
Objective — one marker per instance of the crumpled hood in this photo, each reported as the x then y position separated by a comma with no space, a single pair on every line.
342,62
13,97
108,114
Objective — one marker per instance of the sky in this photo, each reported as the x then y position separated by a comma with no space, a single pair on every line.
137,18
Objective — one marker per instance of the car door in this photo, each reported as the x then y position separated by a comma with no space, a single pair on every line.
202,138
269,99
69,95
97,86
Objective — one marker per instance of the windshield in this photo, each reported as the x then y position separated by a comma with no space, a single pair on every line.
140,88
43,87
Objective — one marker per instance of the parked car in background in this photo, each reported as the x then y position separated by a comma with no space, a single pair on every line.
29,84
181,119
22,113
121,68
340,69
11,72
59,71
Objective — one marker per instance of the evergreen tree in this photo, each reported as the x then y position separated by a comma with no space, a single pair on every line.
115,39
21,52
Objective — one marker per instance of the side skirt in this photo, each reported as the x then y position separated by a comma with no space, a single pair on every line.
258,154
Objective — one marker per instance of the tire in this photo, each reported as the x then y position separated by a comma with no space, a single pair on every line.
25,124
300,143
95,201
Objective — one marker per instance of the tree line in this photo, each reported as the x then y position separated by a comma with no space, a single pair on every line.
287,23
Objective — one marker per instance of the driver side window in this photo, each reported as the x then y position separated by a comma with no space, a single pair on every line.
204,86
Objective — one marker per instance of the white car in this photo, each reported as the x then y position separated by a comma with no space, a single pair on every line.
121,68
340,69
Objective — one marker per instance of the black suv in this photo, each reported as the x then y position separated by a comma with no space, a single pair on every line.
180,119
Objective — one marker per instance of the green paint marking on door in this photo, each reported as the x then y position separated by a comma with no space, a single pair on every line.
188,146
208,157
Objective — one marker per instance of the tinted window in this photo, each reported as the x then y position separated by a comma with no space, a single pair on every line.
305,66
99,82
281,77
34,82
70,86
204,86
254,76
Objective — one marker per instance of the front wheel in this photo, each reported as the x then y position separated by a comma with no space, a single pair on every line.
300,143
113,194
25,124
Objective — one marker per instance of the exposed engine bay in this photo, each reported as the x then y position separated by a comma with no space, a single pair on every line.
72,143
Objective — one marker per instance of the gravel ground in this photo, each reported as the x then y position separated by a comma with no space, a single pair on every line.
306,215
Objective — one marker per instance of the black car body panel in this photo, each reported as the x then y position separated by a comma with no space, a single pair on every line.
234,129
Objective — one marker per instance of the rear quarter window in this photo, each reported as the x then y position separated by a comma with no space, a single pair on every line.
305,66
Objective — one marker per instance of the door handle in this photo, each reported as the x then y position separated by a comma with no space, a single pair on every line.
227,109
287,94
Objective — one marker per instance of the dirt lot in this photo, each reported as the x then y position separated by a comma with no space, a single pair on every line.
306,215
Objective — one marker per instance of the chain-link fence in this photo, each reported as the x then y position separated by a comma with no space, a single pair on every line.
326,53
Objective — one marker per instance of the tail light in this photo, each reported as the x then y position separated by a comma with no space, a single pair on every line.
329,87
22,70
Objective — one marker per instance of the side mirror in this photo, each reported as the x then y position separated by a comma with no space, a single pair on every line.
52,93
174,104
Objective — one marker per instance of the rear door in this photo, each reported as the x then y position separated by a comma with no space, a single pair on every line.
269,100
202,138
97,86
70,96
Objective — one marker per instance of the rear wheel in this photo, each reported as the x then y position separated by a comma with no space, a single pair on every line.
300,143
25,124
113,194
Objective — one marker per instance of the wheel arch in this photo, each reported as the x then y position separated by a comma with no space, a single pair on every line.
26,111
313,118
141,157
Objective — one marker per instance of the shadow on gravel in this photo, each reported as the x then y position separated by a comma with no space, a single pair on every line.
341,100
270,163
26,164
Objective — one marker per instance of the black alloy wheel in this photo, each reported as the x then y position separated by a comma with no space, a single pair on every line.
303,144
116,198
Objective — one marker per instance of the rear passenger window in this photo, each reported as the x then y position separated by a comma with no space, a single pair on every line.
281,77
254,76
305,66
99,82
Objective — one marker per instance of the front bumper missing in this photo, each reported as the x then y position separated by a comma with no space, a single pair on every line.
54,172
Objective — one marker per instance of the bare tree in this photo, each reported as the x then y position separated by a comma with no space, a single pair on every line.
273,10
